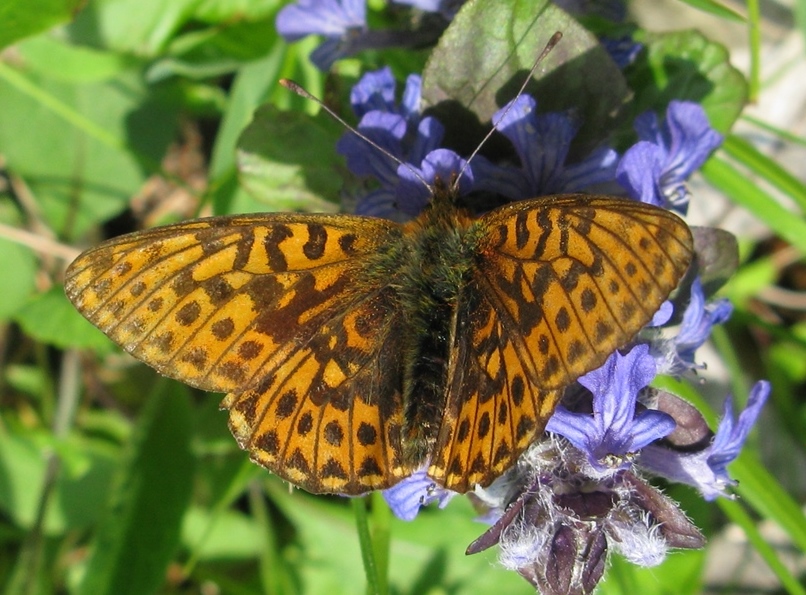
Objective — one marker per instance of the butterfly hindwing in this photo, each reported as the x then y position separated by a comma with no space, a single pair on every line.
493,409
284,312
329,417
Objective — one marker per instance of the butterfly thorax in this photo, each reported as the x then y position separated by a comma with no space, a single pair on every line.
440,246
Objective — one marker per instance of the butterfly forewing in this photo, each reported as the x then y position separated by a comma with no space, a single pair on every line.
579,276
288,313
558,284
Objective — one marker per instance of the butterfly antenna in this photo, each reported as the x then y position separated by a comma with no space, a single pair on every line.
555,39
297,88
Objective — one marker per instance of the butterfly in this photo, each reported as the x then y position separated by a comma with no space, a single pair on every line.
355,350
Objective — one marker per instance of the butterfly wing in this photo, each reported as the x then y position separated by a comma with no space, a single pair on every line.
558,285
287,314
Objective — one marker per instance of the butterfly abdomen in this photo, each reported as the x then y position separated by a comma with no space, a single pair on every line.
441,247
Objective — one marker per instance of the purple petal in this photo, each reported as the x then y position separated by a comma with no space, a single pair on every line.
656,169
691,139
579,429
430,132
415,187
615,387
706,469
640,169
614,429
447,8
410,103
328,52
698,320
374,91
623,51
418,490
663,315
596,168
331,18
505,180
730,435
387,131
380,203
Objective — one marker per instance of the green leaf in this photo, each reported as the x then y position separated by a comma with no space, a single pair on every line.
139,27
680,574
487,51
716,8
17,270
426,556
228,535
687,66
77,496
763,166
141,530
215,51
22,18
55,58
744,192
90,145
217,11
50,318
249,89
288,160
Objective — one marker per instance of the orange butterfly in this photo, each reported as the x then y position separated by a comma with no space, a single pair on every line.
356,350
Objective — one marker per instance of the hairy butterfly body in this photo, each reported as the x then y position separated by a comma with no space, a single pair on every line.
356,350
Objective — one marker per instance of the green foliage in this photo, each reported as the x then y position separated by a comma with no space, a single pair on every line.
112,481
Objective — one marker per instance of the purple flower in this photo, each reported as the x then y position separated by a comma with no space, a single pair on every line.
416,491
438,167
341,22
655,169
399,130
555,525
623,50
376,91
676,355
542,143
616,431
706,469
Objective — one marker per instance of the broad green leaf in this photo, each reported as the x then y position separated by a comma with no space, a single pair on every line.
680,574
288,160
485,54
427,554
215,51
50,318
23,18
229,535
140,27
83,149
217,11
77,497
685,65
17,269
141,529
55,58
